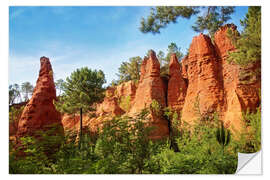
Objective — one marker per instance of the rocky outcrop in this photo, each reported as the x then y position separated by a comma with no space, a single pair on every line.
150,85
201,84
40,114
241,87
214,84
109,106
204,92
151,88
126,89
176,86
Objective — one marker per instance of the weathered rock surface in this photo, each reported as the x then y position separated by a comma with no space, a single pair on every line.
109,105
204,86
151,88
40,114
201,84
126,89
177,86
240,86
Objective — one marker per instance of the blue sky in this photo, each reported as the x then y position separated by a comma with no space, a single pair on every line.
97,37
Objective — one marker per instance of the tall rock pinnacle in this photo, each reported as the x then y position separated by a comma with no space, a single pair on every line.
40,113
176,87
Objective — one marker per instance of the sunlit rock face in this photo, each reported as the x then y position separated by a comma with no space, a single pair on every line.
241,91
204,83
176,86
39,113
200,84
151,88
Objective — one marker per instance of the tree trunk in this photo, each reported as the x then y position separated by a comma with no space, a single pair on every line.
80,140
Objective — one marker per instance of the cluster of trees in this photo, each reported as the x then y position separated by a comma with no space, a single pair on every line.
19,93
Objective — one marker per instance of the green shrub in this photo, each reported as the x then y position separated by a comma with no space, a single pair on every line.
155,107
249,141
125,103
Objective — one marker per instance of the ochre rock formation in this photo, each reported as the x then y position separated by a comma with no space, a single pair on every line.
241,87
204,92
201,84
151,88
150,85
176,86
214,84
40,114
126,89
109,105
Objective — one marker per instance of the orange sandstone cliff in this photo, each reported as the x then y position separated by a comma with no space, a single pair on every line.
202,83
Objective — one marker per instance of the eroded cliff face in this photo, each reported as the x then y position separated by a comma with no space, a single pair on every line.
202,83
40,114
204,86
241,87
214,84
151,88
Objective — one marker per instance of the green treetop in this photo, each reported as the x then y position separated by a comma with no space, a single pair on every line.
130,70
81,90
248,43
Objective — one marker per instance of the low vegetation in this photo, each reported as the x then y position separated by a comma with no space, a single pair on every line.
124,147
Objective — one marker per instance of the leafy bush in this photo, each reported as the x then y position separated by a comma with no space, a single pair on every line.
249,141
155,107
125,103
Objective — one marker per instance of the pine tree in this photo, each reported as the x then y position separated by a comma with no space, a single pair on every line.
81,90
248,44
130,70
209,18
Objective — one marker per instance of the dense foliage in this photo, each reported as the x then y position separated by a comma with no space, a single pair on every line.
123,147
130,70
209,18
83,88
248,43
